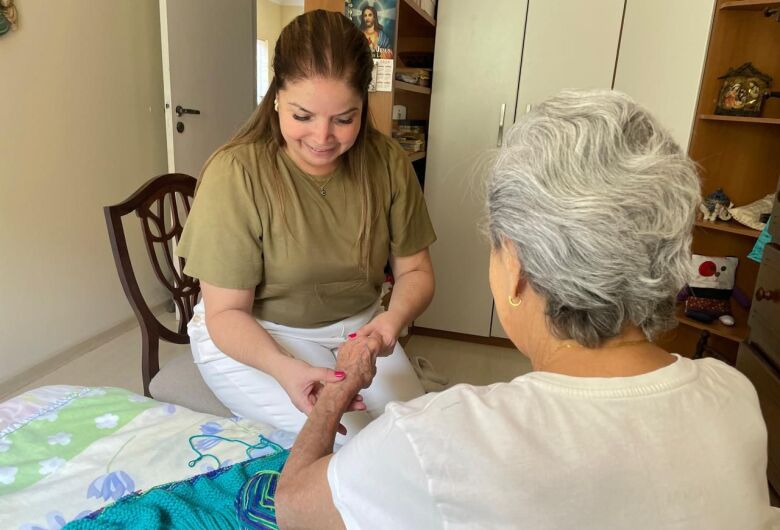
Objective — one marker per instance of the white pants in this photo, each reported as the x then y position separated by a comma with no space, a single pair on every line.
251,393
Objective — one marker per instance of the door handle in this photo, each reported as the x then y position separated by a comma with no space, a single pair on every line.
767,294
181,110
501,126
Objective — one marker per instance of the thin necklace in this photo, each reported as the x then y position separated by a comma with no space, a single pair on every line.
620,344
323,191
322,186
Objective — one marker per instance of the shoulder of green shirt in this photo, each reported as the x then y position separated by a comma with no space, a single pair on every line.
220,160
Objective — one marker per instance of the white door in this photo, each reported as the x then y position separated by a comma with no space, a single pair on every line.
208,58
477,62
568,44
661,60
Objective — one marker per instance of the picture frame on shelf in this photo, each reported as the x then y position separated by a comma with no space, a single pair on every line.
743,91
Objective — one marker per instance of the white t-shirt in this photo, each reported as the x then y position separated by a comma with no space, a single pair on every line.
684,446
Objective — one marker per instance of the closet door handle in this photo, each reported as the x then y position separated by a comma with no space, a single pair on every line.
767,294
501,125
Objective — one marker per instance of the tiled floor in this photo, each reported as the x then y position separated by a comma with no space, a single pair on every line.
466,362
118,362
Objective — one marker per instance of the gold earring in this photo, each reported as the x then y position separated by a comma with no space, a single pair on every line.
276,105
514,303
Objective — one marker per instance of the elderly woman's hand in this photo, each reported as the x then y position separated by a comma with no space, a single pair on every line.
357,357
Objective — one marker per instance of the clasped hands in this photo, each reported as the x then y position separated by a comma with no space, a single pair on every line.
355,368
357,356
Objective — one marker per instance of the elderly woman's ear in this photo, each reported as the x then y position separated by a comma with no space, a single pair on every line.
507,282
517,282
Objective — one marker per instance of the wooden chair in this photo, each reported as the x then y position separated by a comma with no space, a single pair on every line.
162,206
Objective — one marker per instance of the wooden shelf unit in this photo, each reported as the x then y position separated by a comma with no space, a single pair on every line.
738,154
416,33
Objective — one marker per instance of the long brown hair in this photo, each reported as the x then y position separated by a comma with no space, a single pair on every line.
318,44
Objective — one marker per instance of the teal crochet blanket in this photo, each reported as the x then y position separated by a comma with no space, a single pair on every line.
238,497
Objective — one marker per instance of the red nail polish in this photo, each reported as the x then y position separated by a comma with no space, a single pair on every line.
339,374
352,335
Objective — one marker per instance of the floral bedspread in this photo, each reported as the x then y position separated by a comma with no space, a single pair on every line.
66,451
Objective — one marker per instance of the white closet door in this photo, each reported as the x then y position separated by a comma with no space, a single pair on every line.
476,67
662,56
568,44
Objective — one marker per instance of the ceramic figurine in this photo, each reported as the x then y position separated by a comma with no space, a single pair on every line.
716,206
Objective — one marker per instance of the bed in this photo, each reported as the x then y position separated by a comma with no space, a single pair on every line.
66,451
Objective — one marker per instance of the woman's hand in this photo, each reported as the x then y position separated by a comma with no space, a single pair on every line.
386,327
303,384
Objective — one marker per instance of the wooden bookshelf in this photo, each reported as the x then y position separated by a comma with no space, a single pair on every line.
416,32
728,226
739,154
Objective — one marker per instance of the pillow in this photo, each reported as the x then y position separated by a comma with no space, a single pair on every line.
750,214
717,273
710,286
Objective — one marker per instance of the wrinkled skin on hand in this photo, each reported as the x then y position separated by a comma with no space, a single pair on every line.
357,357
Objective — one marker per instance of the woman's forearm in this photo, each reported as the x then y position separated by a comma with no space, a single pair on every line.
237,334
303,497
412,293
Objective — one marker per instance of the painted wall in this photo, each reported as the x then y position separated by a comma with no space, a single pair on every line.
271,18
81,127
268,27
288,13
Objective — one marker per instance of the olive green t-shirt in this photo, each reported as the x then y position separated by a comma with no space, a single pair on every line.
307,272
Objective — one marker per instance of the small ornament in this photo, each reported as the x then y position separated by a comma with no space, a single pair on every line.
743,91
716,205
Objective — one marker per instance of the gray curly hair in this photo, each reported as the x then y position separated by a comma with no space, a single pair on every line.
598,202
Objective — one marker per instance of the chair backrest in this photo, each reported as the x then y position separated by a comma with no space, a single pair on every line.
162,206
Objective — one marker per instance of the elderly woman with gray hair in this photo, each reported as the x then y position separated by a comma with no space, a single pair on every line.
590,210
